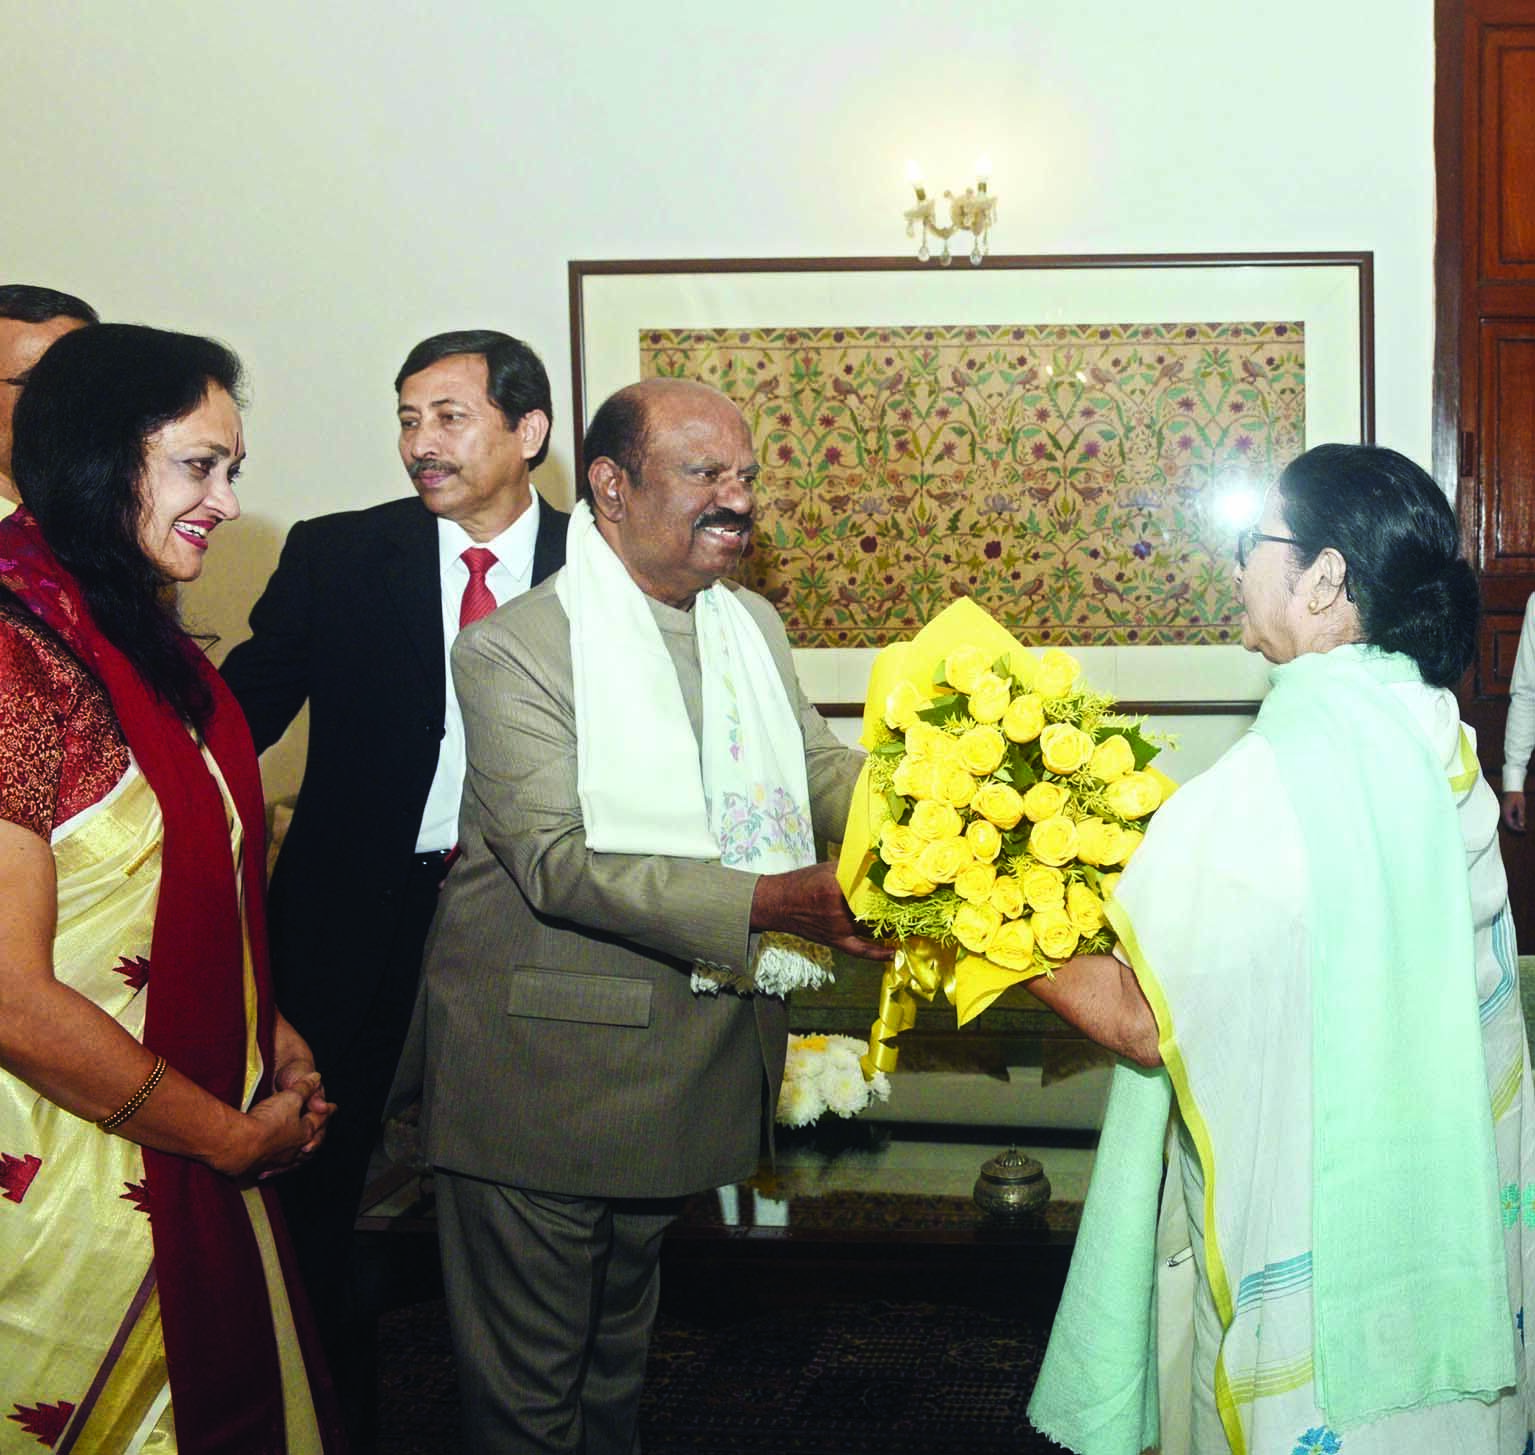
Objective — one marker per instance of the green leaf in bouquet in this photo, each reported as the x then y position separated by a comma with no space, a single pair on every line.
899,807
1016,840
877,871
943,710
892,748
1024,773
1144,751
1101,942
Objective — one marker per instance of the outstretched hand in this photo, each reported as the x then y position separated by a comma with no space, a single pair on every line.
809,903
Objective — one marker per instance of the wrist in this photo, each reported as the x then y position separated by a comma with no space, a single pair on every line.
236,1145
766,898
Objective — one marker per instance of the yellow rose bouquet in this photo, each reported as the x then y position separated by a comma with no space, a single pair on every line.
999,802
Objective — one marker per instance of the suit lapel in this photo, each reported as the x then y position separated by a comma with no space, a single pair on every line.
549,543
411,578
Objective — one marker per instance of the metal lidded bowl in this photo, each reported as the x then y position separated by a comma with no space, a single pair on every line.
1012,1186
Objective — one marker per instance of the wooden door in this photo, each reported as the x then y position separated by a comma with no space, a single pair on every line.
1484,368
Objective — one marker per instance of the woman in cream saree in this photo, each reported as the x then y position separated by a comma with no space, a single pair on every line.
147,1079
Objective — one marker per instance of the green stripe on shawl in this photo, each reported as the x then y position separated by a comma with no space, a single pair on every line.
1411,1303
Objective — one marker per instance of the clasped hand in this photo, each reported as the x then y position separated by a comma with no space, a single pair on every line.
809,903
285,1129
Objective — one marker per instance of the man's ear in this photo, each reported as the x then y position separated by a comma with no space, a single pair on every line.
533,430
608,482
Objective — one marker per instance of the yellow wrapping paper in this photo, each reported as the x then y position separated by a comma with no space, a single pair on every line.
921,967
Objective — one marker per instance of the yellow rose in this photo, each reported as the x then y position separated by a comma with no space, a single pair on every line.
955,786
1054,933
903,882
901,705
981,750
1108,884
1045,800
974,925
1098,841
1085,909
999,804
941,860
1053,840
1007,897
1056,674
990,699
898,845
964,667
1134,796
945,751
1064,748
931,821
1043,887
1024,719
1012,947
974,882
984,840
1129,841
915,778
926,743
1112,759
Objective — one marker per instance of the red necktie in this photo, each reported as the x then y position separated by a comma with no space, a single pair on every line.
477,600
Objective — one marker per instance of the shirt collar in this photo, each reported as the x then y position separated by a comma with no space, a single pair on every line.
513,548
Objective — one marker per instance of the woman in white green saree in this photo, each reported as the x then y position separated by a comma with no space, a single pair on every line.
1317,977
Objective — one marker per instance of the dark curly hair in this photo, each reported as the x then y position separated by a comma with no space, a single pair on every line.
83,423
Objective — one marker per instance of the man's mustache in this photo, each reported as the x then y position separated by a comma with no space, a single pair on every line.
725,518
417,468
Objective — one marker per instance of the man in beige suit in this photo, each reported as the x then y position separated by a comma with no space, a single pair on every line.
584,1068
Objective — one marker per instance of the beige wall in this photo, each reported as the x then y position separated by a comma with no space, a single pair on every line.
321,184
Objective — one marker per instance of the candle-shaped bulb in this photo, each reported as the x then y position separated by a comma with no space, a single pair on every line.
982,171
914,176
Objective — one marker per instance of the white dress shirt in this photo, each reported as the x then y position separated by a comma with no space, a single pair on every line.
1519,734
510,576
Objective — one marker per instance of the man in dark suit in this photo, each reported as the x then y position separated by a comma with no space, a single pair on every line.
621,839
31,318
357,620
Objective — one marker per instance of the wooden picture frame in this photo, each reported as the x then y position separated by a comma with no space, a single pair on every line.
613,302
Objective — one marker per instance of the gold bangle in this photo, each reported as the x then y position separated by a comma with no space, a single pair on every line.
137,1100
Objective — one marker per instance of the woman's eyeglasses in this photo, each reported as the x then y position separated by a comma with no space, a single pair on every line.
1249,538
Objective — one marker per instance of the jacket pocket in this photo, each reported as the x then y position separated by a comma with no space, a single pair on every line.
561,995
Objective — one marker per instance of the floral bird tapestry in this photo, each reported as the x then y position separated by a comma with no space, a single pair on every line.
1064,476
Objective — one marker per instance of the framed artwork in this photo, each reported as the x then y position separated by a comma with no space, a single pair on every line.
1054,436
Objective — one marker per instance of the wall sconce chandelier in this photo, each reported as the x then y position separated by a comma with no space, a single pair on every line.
973,211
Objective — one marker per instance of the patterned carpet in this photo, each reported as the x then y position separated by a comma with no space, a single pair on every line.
832,1379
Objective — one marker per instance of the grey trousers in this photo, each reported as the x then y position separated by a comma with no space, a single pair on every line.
550,1305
